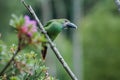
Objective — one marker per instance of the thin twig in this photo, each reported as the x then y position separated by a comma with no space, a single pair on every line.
117,2
55,50
8,64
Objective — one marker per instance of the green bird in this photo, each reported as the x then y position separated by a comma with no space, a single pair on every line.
53,28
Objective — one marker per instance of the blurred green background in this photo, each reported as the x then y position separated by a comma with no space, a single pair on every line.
91,51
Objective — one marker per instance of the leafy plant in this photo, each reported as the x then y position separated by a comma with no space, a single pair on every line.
18,63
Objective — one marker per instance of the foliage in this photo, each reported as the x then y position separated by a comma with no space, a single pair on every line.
27,65
101,42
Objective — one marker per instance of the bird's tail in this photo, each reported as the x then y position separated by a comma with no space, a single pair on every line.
44,50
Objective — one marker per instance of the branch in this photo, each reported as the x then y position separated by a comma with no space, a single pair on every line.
55,50
117,2
7,65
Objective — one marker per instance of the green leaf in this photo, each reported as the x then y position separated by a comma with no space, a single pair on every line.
16,22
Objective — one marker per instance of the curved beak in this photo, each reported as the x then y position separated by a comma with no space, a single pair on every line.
69,25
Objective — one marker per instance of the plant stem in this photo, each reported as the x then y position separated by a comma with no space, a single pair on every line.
55,50
8,64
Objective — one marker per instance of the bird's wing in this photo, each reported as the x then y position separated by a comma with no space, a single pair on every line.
44,44
48,23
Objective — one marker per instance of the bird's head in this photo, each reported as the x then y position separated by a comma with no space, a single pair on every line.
55,26
67,24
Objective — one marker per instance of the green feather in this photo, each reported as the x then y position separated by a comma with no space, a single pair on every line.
53,28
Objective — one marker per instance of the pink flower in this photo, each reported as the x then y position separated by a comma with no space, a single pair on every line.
29,27
24,29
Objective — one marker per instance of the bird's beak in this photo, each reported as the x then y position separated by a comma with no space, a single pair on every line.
69,25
